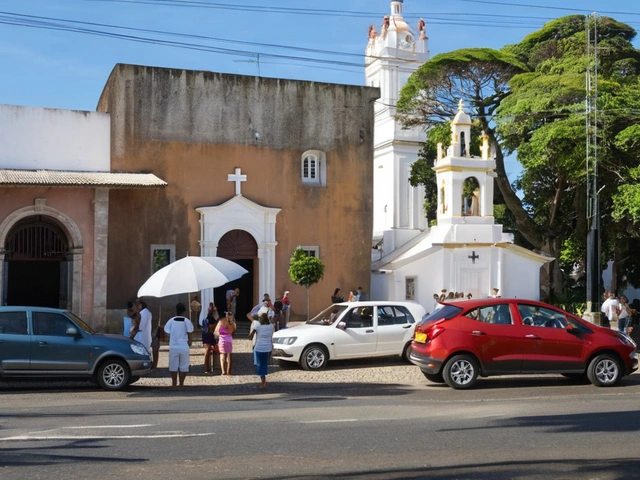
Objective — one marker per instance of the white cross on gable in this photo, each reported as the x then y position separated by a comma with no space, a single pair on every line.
238,178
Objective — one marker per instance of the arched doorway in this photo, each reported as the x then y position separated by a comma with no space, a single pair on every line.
37,268
240,247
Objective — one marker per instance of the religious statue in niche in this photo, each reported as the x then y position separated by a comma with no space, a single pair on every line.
471,197
443,203
385,26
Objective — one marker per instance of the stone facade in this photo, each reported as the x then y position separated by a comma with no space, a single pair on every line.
194,128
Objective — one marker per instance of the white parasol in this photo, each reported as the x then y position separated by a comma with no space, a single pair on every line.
191,274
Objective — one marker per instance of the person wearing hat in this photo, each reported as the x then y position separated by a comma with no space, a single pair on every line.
180,330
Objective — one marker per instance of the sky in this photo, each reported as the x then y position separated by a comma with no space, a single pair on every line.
59,53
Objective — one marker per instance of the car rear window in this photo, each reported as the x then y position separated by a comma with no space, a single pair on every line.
446,312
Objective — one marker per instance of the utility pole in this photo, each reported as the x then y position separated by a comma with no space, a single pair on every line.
593,214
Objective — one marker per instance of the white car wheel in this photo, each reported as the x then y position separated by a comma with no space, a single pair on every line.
314,357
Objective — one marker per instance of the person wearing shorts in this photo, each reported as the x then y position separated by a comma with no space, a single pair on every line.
180,331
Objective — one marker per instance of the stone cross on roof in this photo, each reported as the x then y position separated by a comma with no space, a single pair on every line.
238,178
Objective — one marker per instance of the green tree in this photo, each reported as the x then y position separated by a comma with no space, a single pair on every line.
305,270
529,99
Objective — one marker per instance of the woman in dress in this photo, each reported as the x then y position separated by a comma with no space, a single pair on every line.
209,324
262,329
225,328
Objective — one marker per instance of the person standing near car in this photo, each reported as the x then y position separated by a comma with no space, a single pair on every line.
336,297
625,315
144,330
180,331
610,308
262,329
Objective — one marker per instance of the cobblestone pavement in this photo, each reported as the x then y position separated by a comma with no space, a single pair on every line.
387,370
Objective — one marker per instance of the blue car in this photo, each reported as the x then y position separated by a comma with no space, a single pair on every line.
49,343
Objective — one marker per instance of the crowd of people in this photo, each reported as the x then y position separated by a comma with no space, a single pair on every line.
357,295
617,309
217,333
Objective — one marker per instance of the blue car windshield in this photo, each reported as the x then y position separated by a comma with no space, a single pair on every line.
444,311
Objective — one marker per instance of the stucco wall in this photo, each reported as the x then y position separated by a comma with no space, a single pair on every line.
192,129
43,138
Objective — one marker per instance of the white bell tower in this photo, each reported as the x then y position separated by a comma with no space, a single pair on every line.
392,55
465,182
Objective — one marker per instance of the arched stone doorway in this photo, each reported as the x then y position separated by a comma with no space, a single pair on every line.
41,252
36,264
240,247
247,219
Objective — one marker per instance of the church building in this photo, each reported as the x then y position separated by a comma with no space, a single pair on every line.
466,251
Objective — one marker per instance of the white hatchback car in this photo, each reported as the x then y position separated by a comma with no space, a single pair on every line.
349,330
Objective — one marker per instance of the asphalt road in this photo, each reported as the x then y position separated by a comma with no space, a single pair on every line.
515,427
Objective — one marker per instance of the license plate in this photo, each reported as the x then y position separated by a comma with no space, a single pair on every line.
420,337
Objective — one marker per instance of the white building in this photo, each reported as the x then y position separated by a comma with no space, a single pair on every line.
466,252
391,56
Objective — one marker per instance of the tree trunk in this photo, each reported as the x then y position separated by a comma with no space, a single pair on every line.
307,303
524,223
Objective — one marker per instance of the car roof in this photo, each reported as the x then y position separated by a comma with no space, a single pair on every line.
373,303
481,302
13,308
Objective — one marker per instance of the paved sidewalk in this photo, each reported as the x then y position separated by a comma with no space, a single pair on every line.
387,370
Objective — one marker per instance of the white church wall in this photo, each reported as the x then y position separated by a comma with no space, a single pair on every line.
381,287
34,138
427,274
383,196
521,279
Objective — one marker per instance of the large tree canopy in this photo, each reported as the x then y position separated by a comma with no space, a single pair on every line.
530,100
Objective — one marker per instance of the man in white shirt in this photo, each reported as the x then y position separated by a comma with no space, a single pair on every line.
144,331
610,308
180,330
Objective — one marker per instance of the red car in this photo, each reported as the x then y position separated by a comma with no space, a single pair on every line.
465,339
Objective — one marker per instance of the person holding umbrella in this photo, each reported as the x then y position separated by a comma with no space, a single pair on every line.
180,330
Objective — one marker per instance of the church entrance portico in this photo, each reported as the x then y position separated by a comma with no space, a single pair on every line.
243,231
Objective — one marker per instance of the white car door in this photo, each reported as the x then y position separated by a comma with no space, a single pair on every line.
359,337
395,325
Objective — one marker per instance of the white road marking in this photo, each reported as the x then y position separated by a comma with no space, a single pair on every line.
331,421
101,437
111,426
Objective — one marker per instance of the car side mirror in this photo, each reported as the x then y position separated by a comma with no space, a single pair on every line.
72,331
341,325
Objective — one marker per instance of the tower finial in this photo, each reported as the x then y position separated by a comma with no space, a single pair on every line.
460,105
